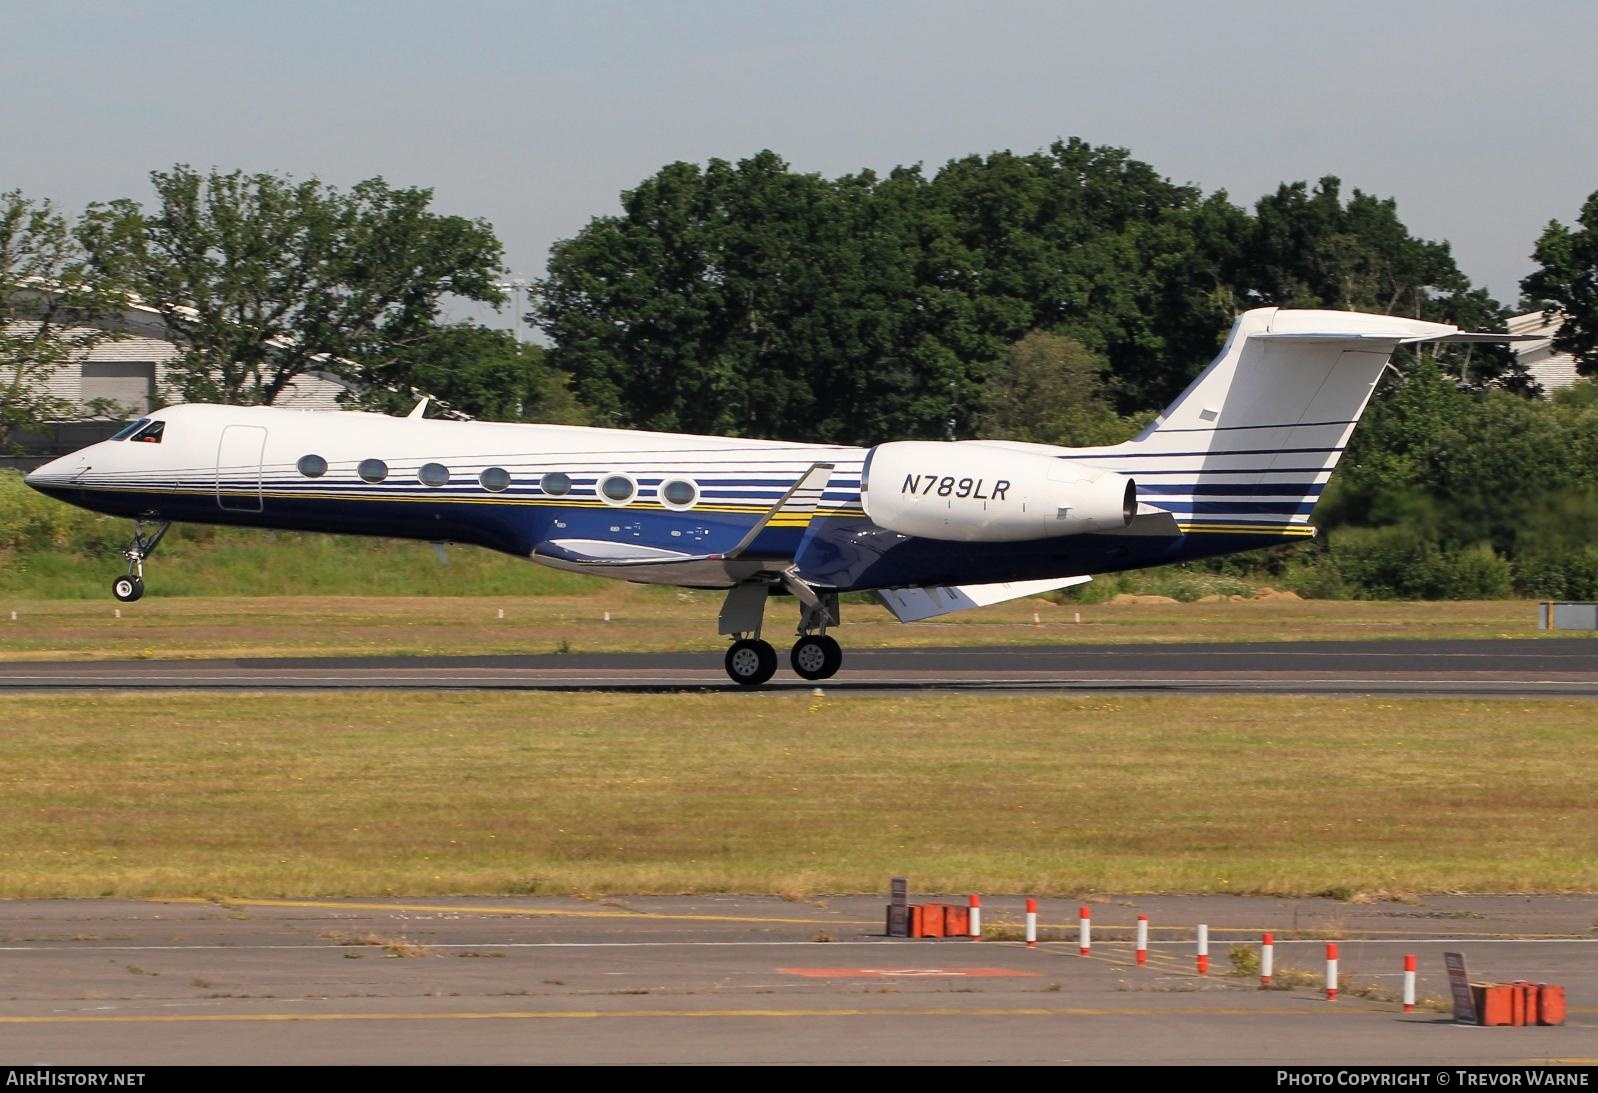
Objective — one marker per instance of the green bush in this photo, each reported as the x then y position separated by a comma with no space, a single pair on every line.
1405,563
1316,577
30,521
1478,573
1551,574
1386,563
1187,584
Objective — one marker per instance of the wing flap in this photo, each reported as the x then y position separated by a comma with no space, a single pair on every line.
604,552
915,604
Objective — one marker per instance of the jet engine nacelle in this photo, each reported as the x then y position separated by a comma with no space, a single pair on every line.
972,492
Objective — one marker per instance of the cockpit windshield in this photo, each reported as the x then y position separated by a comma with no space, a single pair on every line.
150,434
130,428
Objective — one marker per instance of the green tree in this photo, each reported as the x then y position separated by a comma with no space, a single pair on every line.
746,298
1051,390
1307,247
1088,242
51,312
1567,284
261,278
477,371
719,301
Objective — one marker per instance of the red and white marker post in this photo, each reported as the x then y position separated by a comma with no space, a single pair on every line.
1267,959
1142,940
1331,971
975,920
1085,930
1032,924
1409,982
1203,950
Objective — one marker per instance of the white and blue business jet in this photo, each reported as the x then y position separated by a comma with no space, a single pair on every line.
1237,462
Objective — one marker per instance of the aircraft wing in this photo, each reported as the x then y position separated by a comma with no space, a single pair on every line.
794,510
604,552
915,604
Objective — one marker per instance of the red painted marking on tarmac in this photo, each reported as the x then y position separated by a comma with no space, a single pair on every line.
909,973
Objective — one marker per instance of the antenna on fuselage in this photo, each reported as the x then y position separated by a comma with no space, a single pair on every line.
420,410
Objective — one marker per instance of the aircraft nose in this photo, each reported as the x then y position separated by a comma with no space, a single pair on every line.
57,472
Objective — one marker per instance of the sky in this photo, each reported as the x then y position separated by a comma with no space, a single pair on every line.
1476,117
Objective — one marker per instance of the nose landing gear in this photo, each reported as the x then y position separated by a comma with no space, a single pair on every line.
130,587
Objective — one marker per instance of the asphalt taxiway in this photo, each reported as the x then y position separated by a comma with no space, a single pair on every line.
761,981
1550,667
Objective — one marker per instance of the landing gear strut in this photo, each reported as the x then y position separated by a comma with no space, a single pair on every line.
817,655
130,587
752,661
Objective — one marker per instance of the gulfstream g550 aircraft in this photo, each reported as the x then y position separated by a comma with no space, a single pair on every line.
1236,462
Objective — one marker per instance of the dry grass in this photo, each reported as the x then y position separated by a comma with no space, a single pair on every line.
391,946
360,794
660,619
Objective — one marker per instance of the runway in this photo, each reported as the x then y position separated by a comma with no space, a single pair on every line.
1549,668
728,980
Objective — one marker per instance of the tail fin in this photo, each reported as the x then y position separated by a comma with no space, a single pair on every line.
1251,443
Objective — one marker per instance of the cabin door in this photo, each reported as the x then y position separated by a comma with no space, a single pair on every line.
238,468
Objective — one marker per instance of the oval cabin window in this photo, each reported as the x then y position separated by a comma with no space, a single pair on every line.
617,489
678,494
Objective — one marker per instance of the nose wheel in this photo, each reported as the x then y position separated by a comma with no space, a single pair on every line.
131,586
750,662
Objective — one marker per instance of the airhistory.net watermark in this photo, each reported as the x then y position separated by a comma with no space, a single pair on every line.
52,1077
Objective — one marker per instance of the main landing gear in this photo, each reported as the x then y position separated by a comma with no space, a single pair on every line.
816,656
751,661
130,587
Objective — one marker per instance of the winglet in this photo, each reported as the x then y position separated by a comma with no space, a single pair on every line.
796,508
420,409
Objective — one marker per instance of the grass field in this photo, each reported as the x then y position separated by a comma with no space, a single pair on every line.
662,619
416,794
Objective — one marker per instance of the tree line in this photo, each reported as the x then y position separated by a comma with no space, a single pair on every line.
1061,296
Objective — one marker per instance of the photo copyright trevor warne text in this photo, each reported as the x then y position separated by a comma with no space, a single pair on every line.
1434,1077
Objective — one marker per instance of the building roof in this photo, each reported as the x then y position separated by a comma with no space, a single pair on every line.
313,390
1550,368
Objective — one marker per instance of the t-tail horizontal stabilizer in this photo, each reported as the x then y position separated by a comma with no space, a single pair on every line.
915,604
